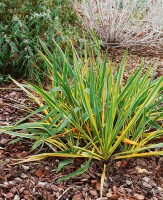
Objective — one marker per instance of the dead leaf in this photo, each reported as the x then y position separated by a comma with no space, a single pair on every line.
123,163
39,173
142,171
98,186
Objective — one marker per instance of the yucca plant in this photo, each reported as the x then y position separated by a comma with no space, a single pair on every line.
89,112
124,23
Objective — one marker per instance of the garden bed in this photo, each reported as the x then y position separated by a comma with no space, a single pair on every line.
140,178
127,179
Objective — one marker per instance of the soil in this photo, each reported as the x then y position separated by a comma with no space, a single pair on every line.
133,179
138,57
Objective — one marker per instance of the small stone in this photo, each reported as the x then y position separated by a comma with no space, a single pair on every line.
26,192
23,175
7,160
93,193
94,181
118,164
8,176
6,183
128,190
161,161
3,141
11,182
109,194
77,196
84,180
41,183
8,110
8,195
121,198
18,180
128,182
22,189
16,197
13,190
12,94
16,96
22,100
47,168
1,100
146,179
154,198
54,188
3,186
160,189
138,196
84,194
147,185
25,167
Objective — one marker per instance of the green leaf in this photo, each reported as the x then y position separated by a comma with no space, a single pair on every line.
77,172
63,163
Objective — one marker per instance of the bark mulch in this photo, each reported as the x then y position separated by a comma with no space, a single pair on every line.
133,179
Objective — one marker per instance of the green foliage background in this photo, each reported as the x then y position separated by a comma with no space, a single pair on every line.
24,22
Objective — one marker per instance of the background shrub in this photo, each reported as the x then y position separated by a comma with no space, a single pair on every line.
124,23
24,22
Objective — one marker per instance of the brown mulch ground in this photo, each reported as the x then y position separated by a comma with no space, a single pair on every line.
134,179
145,57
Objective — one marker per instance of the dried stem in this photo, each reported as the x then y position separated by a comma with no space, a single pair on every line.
124,23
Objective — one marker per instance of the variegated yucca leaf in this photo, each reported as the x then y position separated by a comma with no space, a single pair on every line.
88,111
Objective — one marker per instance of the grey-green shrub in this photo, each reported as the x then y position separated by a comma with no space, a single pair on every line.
124,23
